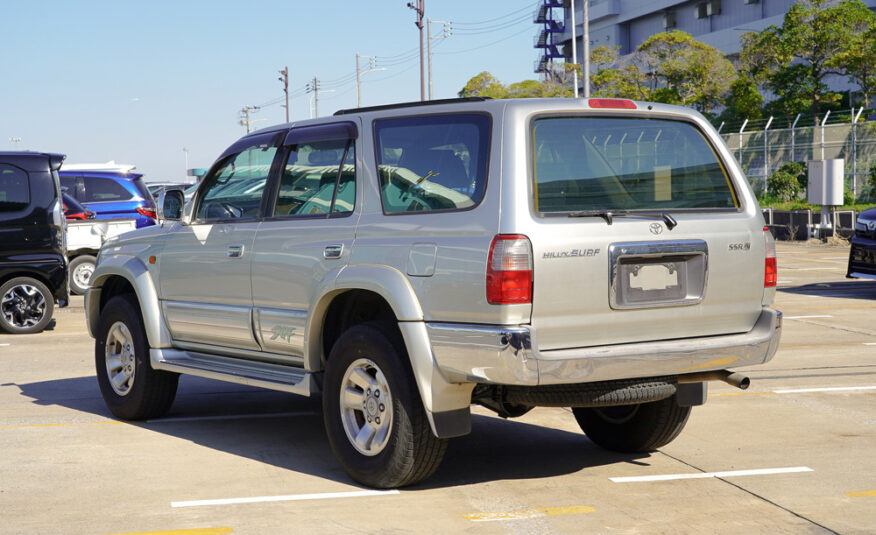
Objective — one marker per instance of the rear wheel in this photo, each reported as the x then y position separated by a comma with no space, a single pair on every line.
26,306
374,418
633,428
81,269
130,387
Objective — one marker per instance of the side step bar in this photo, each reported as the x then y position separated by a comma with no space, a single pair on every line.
260,374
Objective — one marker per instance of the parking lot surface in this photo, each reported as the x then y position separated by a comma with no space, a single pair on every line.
796,453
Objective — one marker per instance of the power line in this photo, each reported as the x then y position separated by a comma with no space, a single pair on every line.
505,16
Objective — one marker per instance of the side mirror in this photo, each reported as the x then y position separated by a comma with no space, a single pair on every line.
170,205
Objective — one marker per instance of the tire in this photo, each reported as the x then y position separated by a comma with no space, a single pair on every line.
367,377
633,428
26,306
81,269
130,387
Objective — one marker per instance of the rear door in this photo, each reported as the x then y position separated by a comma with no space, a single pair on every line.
308,233
641,234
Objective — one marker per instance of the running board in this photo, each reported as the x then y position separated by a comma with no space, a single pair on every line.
260,374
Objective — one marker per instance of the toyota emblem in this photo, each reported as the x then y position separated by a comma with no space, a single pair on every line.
656,228
871,225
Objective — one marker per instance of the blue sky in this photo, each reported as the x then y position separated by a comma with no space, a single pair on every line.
136,82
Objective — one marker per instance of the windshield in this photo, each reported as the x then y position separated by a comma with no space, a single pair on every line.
611,163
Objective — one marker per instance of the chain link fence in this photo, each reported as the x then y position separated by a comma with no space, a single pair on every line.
762,147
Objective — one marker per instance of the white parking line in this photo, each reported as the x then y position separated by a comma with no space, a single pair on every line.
287,498
706,475
806,317
5,345
870,343
831,389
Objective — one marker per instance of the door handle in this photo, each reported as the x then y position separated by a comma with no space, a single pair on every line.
235,251
333,251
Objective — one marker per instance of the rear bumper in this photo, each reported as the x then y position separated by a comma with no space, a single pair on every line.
505,355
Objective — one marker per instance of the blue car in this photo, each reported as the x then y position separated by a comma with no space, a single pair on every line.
111,194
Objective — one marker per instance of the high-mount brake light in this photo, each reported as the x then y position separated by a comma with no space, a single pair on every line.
612,103
509,270
771,271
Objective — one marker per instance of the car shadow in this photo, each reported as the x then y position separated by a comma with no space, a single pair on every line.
852,289
286,431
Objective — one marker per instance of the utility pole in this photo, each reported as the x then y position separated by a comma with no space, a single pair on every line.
447,33
313,87
586,49
284,77
372,66
574,54
244,116
420,8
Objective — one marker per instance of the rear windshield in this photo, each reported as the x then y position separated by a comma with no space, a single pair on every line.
611,163
14,189
142,189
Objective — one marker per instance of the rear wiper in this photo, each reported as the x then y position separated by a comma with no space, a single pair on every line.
609,215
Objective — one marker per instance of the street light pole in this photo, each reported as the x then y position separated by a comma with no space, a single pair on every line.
420,8
586,48
574,54
429,39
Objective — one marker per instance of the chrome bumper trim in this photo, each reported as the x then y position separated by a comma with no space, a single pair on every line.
505,355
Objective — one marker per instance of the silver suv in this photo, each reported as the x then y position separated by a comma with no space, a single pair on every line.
407,261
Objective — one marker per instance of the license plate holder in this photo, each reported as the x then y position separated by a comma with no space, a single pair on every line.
657,274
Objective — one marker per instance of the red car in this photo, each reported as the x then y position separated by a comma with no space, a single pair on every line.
73,211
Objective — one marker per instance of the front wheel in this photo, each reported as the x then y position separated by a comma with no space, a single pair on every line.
633,428
130,387
26,306
374,418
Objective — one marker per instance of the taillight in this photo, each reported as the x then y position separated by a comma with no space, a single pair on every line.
771,271
613,103
148,212
509,270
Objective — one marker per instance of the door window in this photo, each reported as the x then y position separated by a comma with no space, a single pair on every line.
234,190
14,189
319,179
105,190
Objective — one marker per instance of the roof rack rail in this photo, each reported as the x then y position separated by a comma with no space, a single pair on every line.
412,104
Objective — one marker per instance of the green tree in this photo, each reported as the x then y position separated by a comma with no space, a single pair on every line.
484,85
744,101
611,79
860,61
813,37
684,71
785,183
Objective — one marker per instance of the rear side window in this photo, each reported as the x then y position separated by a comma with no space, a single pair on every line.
319,179
611,163
105,190
436,163
14,189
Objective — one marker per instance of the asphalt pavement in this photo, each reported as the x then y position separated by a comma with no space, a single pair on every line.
795,453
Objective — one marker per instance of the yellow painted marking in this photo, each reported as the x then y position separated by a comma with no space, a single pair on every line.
22,426
726,361
529,513
198,531
862,494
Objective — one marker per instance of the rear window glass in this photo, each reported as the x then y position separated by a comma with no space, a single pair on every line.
432,163
14,189
142,189
610,163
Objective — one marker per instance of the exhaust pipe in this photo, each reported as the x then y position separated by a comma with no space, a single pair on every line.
731,378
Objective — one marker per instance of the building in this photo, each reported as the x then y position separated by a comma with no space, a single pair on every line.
628,23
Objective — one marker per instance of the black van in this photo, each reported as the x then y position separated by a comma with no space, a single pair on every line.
33,266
